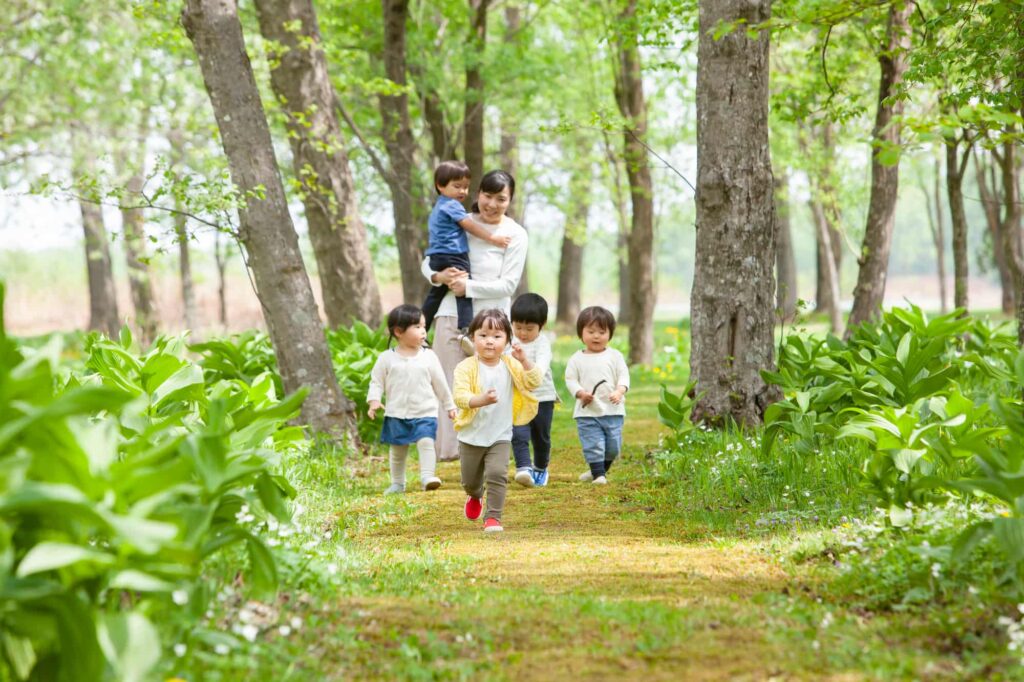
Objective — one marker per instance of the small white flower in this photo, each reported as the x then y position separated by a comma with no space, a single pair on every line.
221,649
332,568
180,649
284,631
250,632
971,589
827,619
936,570
180,597
296,623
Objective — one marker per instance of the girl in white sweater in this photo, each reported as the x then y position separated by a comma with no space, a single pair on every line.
413,381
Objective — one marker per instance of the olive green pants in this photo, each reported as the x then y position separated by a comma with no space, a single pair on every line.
486,465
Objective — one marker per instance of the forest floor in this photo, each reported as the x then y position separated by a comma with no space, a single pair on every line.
585,582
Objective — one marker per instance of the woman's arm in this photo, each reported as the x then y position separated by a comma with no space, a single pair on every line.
443,278
508,278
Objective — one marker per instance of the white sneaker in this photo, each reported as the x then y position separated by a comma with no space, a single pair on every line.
586,477
432,483
600,480
524,477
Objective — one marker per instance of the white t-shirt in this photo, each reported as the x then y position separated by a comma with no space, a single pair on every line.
414,385
495,271
538,352
492,423
605,371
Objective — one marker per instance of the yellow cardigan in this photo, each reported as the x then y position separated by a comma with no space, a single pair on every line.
467,385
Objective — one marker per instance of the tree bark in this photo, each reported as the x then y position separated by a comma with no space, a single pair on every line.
509,151
824,235
1011,226
103,315
302,84
629,95
473,122
933,207
622,234
220,259
874,260
570,264
139,278
990,202
785,260
824,205
266,228
733,297
188,294
396,129
955,169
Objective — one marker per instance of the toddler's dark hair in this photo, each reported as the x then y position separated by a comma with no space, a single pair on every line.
447,171
401,318
595,314
530,308
493,182
494,318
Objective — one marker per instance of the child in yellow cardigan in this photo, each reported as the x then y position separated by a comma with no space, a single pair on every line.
492,394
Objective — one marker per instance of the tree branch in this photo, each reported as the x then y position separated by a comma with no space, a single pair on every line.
385,173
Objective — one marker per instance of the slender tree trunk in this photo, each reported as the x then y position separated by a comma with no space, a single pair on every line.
824,205
473,123
785,260
570,265
933,207
509,152
955,168
139,279
1011,227
301,82
990,202
733,297
824,235
629,95
874,259
188,295
220,258
102,297
266,229
401,148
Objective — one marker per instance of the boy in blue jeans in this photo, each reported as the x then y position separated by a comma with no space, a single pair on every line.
598,378
448,245
529,315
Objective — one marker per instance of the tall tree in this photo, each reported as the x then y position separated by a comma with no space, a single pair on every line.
933,208
956,167
99,267
266,228
733,296
1011,228
139,277
988,187
302,84
473,121
825,210
629,95
874,257
785,260
570,264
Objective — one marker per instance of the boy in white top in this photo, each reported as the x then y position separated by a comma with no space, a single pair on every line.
598,377
529,315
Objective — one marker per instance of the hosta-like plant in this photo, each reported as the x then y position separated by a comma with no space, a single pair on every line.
354,350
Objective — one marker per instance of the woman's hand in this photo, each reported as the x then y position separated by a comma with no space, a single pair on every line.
458,286
374,406
448,276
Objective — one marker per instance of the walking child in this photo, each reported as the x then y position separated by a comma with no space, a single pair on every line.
492,393
529,315
448,246
599,378
413,381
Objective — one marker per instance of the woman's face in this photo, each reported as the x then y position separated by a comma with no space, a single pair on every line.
493,205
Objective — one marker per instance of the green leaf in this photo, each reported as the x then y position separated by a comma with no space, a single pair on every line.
264,571
20,653
906,459
131,645
47,556
139,581
1009,533
900,516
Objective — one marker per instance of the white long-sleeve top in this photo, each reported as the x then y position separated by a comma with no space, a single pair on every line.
587,370
414,386
538,352
495,271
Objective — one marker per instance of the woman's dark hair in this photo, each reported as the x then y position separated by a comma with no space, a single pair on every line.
493,318
530,308
447,171
401,318
595,314
493,182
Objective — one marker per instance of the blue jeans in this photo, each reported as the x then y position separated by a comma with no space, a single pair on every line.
538,432
601,437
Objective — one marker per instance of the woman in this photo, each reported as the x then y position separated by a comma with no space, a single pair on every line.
496,274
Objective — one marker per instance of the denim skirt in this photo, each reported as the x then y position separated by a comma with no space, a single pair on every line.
405,431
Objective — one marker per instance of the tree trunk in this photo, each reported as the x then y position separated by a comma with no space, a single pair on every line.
301,82
570,265
824,235
1011,227
955,168
825,207
733,297
139,279
473,123
266,228
509,152
188,295
401,149
103,315
933,207
785,260
220,258
990,202
874,259
629,95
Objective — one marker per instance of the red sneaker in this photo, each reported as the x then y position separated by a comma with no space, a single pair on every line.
473,508
492,526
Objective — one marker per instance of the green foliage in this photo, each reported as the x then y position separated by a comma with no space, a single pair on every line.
115,487
354,351
674,412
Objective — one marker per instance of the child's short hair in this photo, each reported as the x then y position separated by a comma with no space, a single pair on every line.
447,171
530,308
403,317
595,314
494,318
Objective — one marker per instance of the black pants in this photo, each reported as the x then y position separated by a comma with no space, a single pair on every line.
539,432
438,262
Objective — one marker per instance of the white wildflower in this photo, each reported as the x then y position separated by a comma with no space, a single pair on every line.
180,597
250,632
180,649
221,649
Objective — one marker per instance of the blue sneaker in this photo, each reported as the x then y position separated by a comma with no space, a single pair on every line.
540,477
